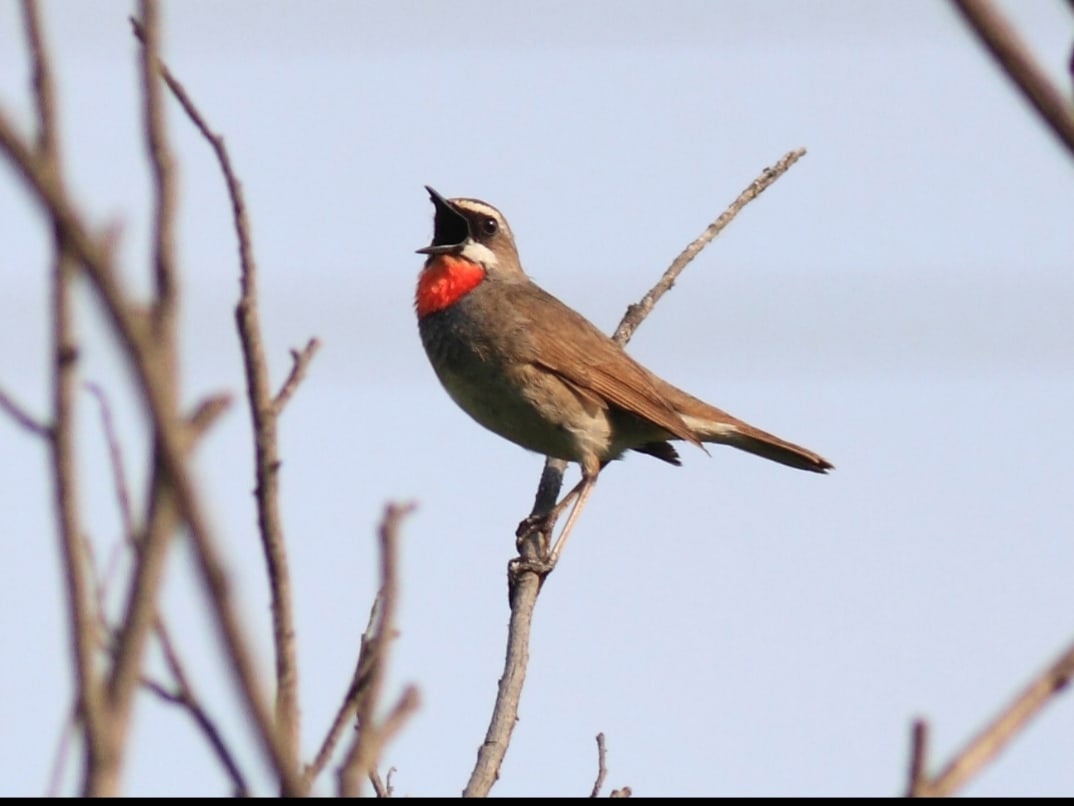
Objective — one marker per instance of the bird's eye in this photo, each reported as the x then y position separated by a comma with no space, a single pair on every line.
489,226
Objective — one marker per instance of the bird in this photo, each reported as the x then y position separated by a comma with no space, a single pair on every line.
531,369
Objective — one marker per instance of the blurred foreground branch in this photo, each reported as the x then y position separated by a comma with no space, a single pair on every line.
1016,60
365,692
265,408
987,744
146,335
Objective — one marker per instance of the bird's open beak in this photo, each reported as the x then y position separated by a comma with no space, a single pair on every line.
450,230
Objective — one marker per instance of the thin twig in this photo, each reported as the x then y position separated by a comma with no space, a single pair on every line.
101,577
602,769
163,517
23,418
987,744
206,413
388,781
59,757
350,700
300,361
636,314
919,755
115,457
48,134
188,700
264,410
1018,63
364,752
524,582
162,162
409,702
378,785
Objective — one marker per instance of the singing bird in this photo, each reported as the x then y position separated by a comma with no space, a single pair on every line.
535,371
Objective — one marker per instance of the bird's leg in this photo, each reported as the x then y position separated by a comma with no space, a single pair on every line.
546,523
582,491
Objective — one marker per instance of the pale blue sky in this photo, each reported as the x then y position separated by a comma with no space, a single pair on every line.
900,302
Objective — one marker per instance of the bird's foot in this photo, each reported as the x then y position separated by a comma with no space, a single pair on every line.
539,526
538,529
534,541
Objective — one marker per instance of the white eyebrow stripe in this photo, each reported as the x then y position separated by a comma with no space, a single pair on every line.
475,206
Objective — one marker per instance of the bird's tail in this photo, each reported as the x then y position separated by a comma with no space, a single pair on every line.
711,424
721,428
758,442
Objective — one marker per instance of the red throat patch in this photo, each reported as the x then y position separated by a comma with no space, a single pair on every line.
444,281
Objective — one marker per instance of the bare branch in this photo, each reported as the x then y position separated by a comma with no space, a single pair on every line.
183,695
382,788
636,314
264,410
158,342
366,751
23,418
44,95
987,744
371,737
150,547
523,590
263,413
409,702
162,162
162,519
371,646
1017,61
602,769
350,699
94,252
97,720
525,574
406,704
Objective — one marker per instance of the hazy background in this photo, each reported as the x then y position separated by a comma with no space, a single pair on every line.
900,302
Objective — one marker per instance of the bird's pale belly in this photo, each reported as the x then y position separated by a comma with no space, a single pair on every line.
522,403
538,415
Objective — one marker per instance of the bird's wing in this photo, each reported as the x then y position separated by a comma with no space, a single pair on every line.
564,342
